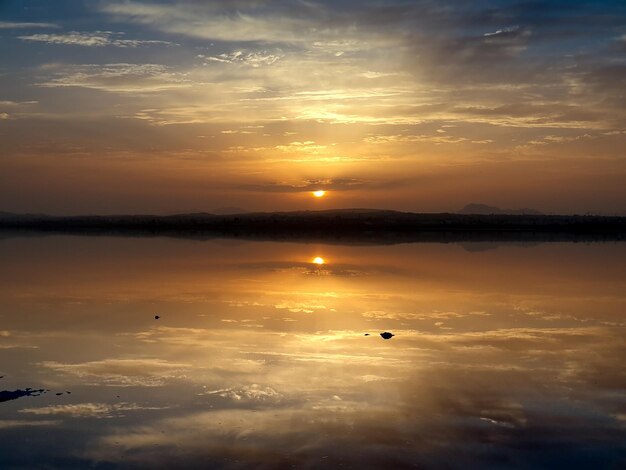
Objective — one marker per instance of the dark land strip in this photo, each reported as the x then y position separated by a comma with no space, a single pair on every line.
358,226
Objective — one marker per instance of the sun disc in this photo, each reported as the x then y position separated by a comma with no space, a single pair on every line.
319,193
319,261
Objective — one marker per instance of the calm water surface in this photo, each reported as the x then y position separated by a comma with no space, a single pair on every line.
507,356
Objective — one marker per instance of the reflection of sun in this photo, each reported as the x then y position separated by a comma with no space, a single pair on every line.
319,193
319,261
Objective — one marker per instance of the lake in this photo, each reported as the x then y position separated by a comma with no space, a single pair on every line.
503,356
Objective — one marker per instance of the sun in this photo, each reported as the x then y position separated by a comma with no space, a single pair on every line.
319,261
319,193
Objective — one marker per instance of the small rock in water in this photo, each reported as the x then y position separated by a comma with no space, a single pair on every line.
387,335
60,393
156,317
366,334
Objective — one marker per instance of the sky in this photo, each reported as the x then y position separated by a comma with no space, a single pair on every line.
184,106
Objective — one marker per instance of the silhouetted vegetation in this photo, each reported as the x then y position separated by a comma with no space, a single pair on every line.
353,225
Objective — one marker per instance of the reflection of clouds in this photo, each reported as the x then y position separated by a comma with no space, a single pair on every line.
253,393
378,314
308,270
433,419
89,410
11,340
520,378
14,423
290,305
297,307
121,372
362,402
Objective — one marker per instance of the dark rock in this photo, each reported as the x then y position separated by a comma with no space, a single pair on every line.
387,335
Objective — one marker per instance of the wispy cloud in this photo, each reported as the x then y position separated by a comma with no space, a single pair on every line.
87,39
335,184
253,59
18,25
208,21
133,78
499,32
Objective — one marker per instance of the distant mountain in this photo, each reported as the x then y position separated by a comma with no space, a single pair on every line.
483,209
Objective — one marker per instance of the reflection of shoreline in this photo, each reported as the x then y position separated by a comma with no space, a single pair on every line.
342,226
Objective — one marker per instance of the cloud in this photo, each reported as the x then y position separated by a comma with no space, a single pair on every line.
95,39
18,25
308,146
209,21
253,59
436,139
16,104
16,108
120,78
500,32
334,184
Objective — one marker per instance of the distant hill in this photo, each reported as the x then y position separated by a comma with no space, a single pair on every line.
11,215
229,211
483,209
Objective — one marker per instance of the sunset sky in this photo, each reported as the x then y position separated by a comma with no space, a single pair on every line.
180,106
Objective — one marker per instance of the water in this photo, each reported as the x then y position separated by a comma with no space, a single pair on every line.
504,356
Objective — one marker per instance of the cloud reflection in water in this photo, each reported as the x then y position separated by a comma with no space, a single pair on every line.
502,358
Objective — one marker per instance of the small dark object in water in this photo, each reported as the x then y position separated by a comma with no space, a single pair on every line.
366,334
60,393
69,393
387,335
156,317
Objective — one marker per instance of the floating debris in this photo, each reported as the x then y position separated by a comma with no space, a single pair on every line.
387,335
